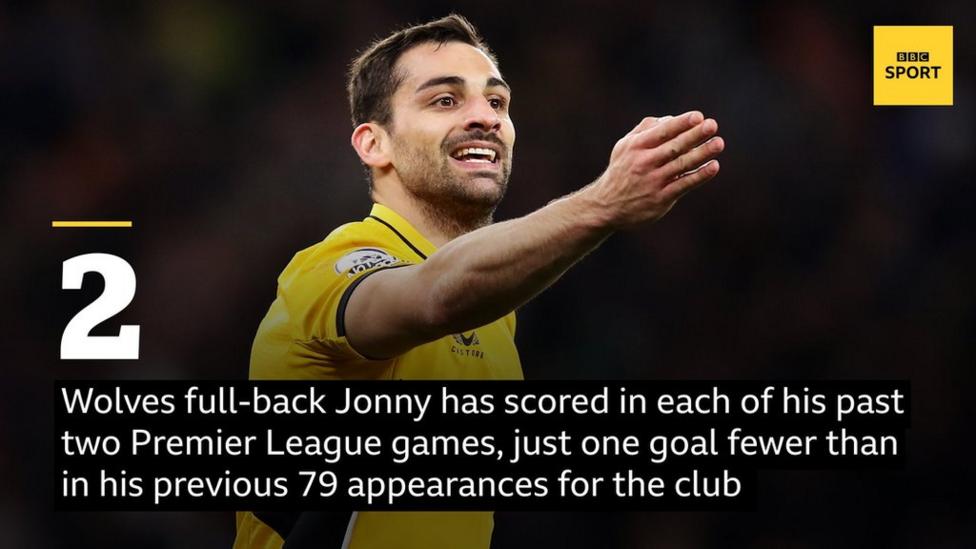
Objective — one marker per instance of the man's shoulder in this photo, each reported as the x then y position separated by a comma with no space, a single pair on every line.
348,249
343,237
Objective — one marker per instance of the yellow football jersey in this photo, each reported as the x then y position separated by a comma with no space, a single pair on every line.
303,337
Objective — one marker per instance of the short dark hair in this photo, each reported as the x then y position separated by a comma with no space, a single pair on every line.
373,78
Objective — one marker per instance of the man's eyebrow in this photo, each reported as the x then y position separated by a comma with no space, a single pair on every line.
495,81
458,81
441,80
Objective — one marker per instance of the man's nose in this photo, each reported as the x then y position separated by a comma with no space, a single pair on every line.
482,116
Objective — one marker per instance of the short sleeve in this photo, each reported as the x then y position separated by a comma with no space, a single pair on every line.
316,293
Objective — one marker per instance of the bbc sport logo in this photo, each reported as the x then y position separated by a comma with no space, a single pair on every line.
913,65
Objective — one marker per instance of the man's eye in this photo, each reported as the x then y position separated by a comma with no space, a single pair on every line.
446,102
496,103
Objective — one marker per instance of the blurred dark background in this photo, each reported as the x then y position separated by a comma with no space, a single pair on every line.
837,243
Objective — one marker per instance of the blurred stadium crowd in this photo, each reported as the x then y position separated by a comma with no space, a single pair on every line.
838,241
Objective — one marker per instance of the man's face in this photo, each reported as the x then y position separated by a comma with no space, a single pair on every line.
451,132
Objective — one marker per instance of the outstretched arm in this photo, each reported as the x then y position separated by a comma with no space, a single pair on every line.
487,273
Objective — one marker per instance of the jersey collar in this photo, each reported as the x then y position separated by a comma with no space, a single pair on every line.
404,230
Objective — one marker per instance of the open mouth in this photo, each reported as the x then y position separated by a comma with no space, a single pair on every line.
475,155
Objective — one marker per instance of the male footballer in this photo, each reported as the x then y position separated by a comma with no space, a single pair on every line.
425,287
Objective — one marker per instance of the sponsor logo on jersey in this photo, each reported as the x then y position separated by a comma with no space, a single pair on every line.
466,342
362,260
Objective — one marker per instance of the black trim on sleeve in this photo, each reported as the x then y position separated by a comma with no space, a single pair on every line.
403,238
344,300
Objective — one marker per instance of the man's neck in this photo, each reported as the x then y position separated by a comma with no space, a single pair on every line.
436,226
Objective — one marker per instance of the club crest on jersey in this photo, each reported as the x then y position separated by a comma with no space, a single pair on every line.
362,260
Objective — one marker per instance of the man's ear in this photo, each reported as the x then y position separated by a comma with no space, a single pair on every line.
372,144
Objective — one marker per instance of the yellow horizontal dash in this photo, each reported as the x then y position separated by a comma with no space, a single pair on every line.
91,224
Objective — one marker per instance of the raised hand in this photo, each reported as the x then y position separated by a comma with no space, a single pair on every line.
655,164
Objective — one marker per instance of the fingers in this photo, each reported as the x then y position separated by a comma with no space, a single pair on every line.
693,158
689,181
687,141
666,130
648,122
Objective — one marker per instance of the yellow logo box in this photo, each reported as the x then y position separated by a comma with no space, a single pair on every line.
913,65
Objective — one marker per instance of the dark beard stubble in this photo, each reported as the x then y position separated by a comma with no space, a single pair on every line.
446,199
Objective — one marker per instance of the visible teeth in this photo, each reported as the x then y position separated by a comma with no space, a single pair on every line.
478,151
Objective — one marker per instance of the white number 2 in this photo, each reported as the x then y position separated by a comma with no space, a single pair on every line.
120,287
